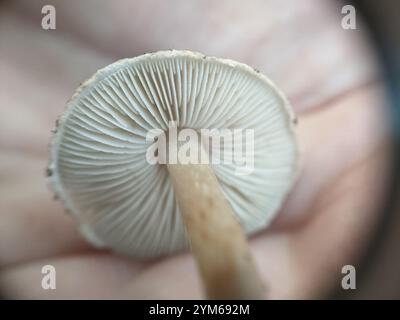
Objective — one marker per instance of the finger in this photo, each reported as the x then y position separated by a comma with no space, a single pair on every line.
39,73
86,276
344,217
310,69
332,139
32,224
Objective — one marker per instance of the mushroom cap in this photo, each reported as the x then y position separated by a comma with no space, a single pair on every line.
98,166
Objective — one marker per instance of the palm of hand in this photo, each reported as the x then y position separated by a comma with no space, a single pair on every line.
341,133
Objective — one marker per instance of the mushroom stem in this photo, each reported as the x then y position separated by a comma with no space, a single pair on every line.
217,239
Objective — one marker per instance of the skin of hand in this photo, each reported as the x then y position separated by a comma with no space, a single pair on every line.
327,72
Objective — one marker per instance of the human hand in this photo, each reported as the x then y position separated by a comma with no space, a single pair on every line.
327,72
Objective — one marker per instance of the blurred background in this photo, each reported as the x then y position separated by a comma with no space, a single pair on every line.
337,64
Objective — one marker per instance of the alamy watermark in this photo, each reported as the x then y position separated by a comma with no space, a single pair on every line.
349,21
349,280
49,17
202,146
49,277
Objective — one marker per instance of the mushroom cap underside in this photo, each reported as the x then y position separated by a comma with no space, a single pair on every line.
98,153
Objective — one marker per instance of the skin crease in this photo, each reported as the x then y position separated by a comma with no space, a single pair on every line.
327,72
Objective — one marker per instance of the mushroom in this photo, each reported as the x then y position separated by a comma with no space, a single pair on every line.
100,171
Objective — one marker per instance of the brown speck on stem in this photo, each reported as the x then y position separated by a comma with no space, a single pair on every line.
49,172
